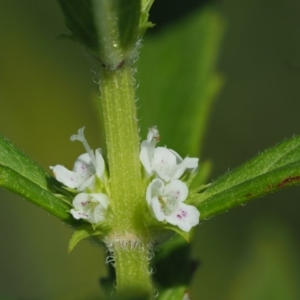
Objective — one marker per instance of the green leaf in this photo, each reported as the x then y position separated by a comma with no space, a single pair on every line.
129,16
144,23
183,234
117,28
110,29
179,65
21,175
82,232
270,171
175,293
80,21
17,160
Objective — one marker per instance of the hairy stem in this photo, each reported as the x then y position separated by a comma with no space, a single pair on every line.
127,194
131,263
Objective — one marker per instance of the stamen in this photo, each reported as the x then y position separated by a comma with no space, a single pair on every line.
81,138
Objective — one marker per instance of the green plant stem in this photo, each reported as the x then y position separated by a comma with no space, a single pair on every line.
128,238
131,263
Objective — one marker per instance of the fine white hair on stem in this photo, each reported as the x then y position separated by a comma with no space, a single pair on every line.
110,257
95,79
151,253
127,241
110,260
137,119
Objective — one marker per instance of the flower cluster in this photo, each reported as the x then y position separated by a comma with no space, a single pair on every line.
87,178
166,193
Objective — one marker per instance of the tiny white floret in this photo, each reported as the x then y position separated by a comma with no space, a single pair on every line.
165,163
86,167
166,202
90,207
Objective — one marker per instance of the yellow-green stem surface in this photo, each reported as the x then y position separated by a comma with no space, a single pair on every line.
128,238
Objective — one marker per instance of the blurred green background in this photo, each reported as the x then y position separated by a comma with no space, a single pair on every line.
46,94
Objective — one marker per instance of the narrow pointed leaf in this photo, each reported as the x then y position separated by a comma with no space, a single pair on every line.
144,23
183,234
175,293
129,18
180,65
82,232
22,175
16,160
272,170
79,20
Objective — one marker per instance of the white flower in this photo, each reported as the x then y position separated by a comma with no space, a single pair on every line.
166,163
91,207
86,167
166,202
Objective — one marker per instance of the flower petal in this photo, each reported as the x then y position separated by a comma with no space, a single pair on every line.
88,183
163,163
157,209
81,205
176,191
155,188
99,214
66,177
84,167
91,207
78,214
101,198
100,165
81,201
185,218
187,163
146,155
178,157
